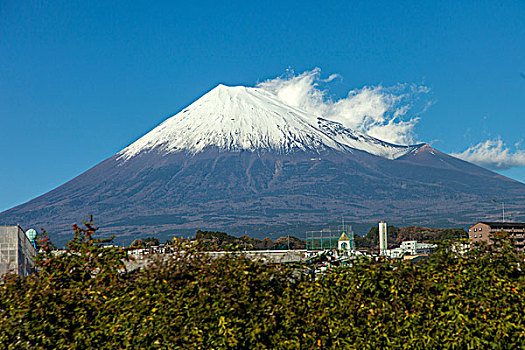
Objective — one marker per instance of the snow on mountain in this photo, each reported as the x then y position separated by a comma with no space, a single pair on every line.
176,185
243,118
363,142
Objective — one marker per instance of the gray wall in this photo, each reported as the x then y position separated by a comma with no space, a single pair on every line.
16,252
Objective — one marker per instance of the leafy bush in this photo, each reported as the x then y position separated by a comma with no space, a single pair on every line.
84,298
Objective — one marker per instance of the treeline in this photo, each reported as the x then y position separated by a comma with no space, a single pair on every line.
83,299
221,240
396,235
213,240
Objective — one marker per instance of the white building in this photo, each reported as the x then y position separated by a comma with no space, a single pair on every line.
383,240
344,242
410,248
396,253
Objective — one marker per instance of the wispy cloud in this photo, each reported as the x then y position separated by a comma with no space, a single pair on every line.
493,154
379,111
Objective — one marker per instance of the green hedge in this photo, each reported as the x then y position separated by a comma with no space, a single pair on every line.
82,299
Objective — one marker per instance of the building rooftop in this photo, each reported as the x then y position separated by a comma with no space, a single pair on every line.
504,224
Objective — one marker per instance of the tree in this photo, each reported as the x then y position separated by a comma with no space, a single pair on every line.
85,298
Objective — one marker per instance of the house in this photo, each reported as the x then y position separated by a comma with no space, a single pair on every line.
483,231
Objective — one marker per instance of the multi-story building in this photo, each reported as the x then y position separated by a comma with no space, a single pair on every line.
483,231
414,248
16,251
410,248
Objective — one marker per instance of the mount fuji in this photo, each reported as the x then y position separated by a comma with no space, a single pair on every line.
240,160
239,118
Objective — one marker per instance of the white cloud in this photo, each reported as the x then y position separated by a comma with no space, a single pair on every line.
378,111
493,154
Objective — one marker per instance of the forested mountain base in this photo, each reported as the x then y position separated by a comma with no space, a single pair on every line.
82,299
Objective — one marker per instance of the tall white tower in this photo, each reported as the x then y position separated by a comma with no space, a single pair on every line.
383,246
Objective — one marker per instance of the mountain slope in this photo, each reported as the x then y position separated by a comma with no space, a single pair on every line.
239,160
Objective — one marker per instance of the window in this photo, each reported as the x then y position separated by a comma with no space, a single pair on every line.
481,228
475,236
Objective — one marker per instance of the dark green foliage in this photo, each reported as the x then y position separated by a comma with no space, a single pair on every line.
289,242
60,306
371,240
145,243
83,298
213,240
216,236
430,235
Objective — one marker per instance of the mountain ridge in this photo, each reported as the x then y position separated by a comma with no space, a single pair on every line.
200,174
243,118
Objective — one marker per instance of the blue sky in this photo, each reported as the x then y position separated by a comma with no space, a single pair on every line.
79,81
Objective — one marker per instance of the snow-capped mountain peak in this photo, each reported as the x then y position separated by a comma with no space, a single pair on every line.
245,118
